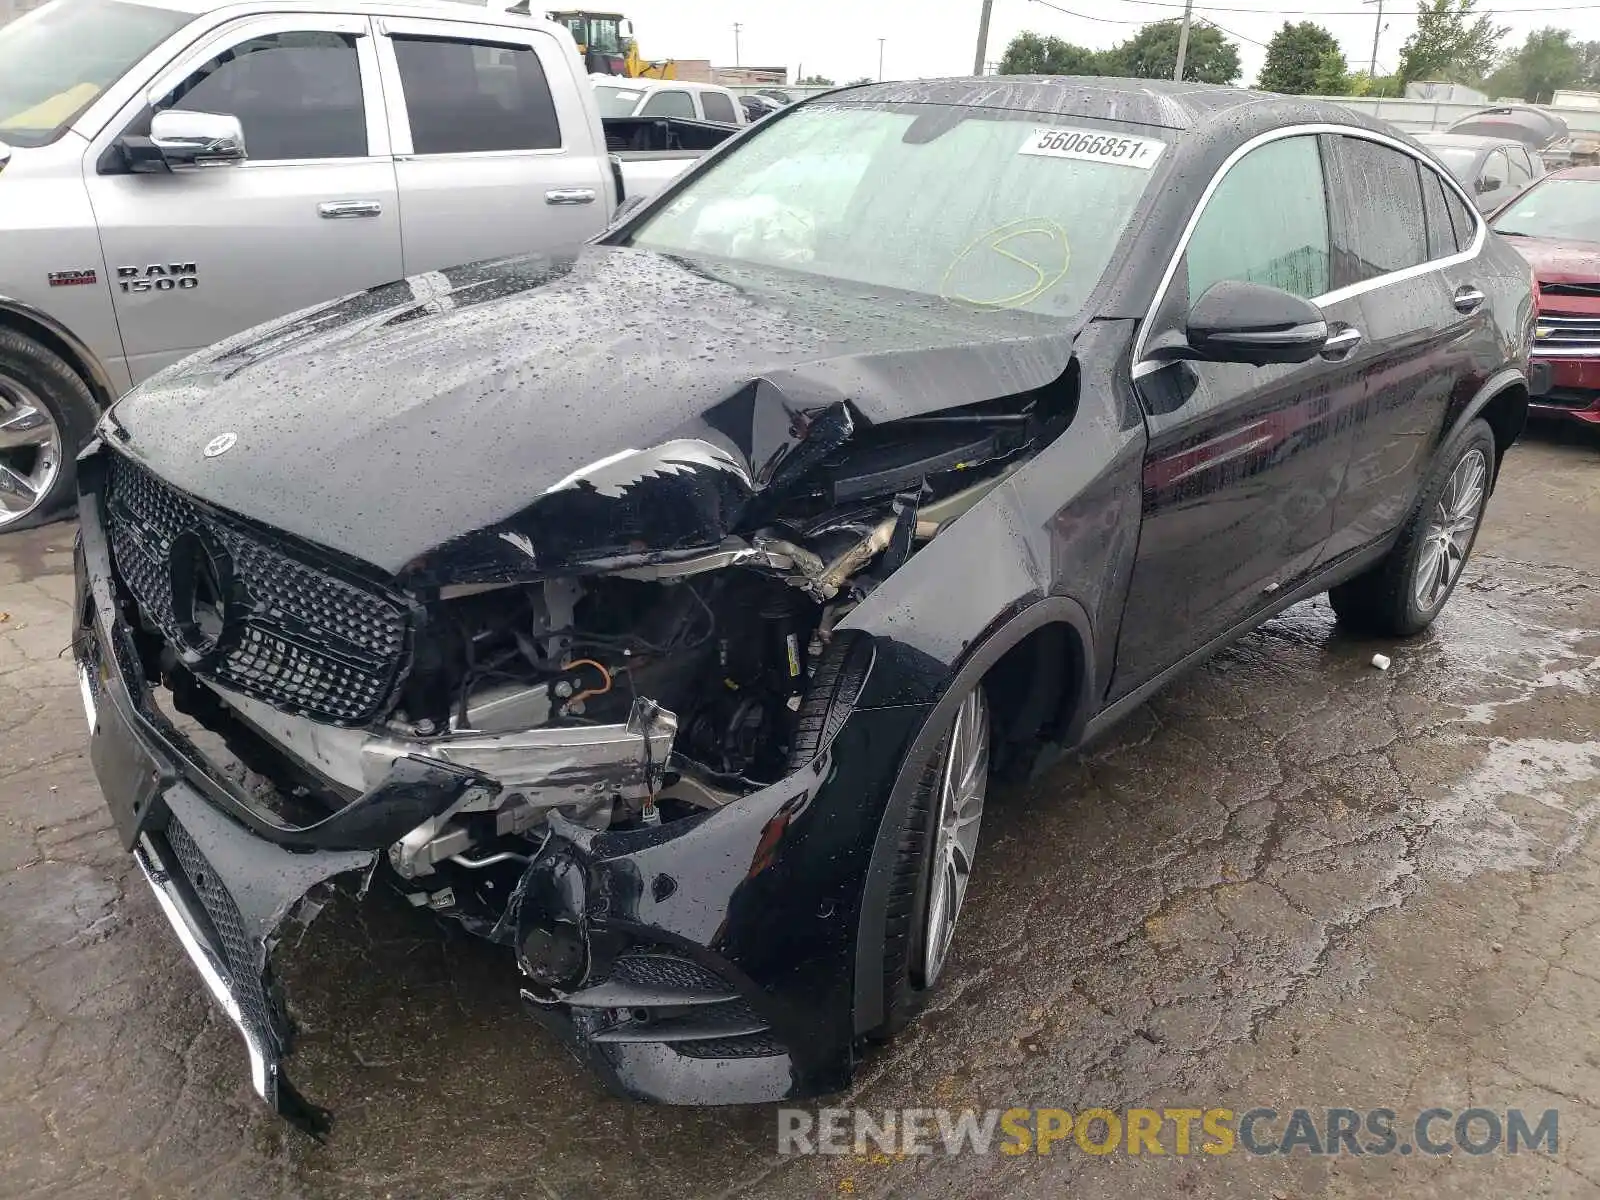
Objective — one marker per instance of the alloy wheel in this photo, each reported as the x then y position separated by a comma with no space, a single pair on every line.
963,781
1448,536
30,451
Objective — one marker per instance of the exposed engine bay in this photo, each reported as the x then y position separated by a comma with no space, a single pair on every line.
639,691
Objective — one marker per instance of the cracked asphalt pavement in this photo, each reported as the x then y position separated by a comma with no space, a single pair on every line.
1292,880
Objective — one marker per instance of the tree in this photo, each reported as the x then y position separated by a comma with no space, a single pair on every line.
1548,60
1295,57
1362,84
862,79
1333,76
1152,53
1452,43
1031,54
814,81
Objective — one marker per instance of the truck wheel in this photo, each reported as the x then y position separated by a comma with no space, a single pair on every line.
46,413
934,863
1402,594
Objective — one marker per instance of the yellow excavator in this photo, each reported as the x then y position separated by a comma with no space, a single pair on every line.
607,46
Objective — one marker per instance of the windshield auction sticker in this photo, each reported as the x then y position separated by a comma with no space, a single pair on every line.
1094,145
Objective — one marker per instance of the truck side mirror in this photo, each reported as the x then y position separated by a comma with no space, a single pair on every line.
189,140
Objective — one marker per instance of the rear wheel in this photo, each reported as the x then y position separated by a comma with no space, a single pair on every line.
46,413
1403,593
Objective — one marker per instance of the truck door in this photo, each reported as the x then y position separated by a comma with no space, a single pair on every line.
195,255
493,142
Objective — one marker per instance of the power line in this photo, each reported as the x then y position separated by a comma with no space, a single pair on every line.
1342,12
1304,12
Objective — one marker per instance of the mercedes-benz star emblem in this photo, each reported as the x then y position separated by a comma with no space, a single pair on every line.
221,444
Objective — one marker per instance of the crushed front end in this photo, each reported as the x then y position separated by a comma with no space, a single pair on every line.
650,780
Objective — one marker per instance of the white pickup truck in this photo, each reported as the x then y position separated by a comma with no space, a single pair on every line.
175,171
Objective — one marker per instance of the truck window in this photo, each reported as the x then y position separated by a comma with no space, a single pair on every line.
464,97
669,104
298,95
617,101
718,108
55,60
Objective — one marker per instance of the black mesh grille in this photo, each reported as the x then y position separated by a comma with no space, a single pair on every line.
662,971
310,642
242,957
750,1045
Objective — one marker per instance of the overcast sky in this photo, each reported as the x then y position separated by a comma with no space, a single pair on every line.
839,38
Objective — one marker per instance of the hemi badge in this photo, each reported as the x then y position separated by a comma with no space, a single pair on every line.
72,278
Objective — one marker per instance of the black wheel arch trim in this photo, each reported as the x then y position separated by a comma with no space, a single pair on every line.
987,650
81,358
1494,387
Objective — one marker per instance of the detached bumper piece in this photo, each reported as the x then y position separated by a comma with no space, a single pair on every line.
227,929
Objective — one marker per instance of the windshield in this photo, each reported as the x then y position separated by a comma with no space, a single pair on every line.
55,60
1458,158
617,101
978,206
1565,209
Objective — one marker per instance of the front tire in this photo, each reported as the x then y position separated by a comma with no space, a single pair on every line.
1403,593
46,413
933,864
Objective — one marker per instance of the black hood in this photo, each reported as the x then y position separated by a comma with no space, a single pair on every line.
528,415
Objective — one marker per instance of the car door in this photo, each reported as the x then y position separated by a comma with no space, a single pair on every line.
492,143
197,255
1244,463
1396,254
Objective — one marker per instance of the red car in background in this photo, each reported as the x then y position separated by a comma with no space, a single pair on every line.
1556,226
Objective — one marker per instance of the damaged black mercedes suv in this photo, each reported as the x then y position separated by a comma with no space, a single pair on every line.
660,611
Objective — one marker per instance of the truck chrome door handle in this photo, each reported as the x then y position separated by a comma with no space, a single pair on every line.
338,210
1340,344
1468,299
570,196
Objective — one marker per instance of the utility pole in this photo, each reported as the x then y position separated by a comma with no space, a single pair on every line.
1183,40
983,37
1377,30
736,28
880,58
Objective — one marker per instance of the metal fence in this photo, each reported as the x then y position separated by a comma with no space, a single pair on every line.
1421,116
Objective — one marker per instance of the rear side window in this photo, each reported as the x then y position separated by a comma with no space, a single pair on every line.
1382,194
718,108
1462,219
466,97
1441,229
1267,222
669,104
297,95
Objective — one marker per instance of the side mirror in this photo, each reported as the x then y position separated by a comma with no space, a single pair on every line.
1252,323
188,140
1489,184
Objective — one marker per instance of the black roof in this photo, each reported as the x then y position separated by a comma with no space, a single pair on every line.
1160,102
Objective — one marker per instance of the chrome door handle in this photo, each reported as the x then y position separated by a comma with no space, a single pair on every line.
570,196
1340,344
1468,299
338,210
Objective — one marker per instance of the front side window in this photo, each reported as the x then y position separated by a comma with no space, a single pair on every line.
669,104
1267,222
1521,173
1382,193
297,95
56,60
718,108
472,96
1496,171
981,207
1564,209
